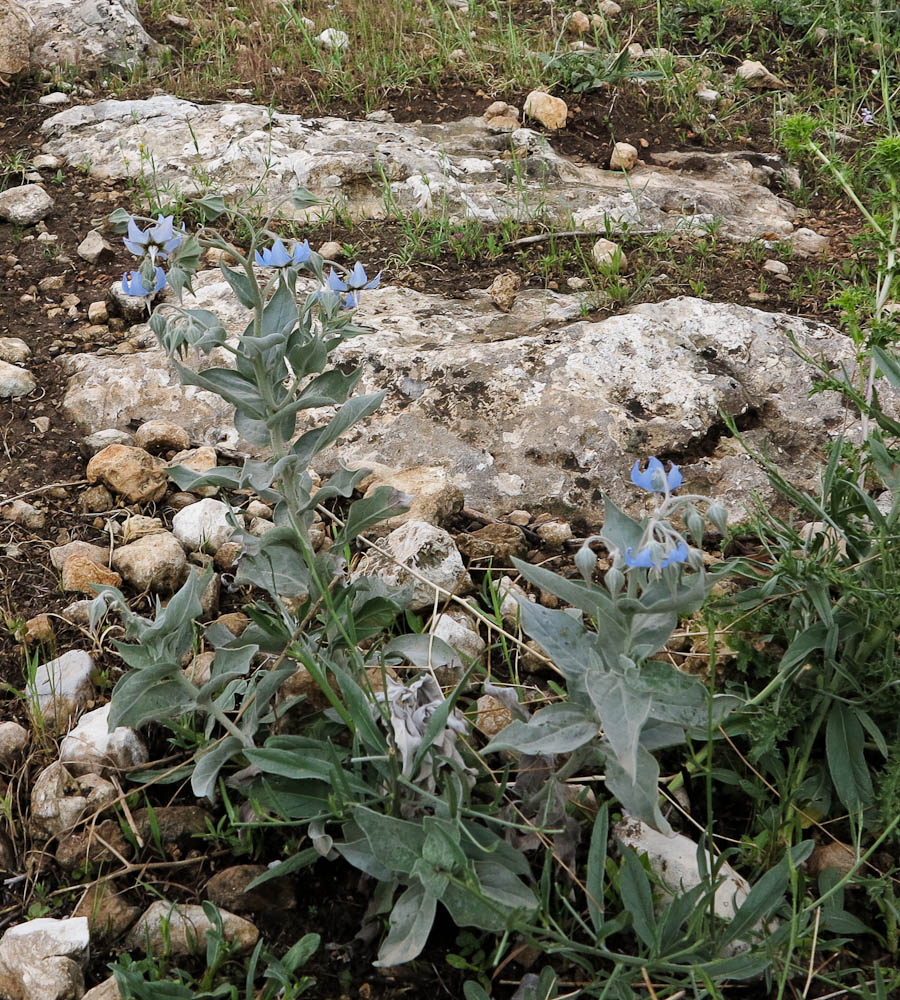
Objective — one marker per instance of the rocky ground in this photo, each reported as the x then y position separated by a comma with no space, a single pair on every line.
561,296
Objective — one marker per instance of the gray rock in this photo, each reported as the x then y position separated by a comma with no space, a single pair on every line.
13,740
14,350
54,99
203,525
180,929
458,167
63,687
530,409
92,34
94,247
460,632
107,990
16,27
100,439
60,553
24,513
428,550
43,161
24,205
15,381
43,959
59,799
90,748
155,562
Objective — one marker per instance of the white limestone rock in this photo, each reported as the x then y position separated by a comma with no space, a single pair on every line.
43,959
63,687
155,562
203,526
180,929
25,205
15,381
59,799
90,748
430,551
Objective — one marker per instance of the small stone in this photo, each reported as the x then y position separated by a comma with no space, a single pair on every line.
755,75
708,97
331,250
228,889
137,526
13,741
90,748
519,517
155,563
38,629
46,161
43,959
609,255
432,496
95,845
234,621
162,435
497,542
333,38
492,716
508,593
204,525
97,312
775,267
94,248
256,508
624,156
95,500
25,205
457,630
609,8
834,854
380,116
227,555
198,460
551,112
15,381
59,799
576,284
130,472
177,21
78,612
555,532
80,574
260,526
504,288
52,283
26,514
578,23
59,554
62,687
428,550
109,988
41,424
99,440
14,350
807,241
109,915
55,99
181,930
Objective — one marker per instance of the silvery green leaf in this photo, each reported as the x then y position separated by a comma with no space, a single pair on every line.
592,600
396,843
409,926
151,695
118,221
355,849
179,279
620,531
210,206
650,633
384,502
341,483
275,563
210,763
241,285
558,728
569,644
638,795
499,884
239,390
622,710
280,314
250,429
223,476
303,199
419,649
314,441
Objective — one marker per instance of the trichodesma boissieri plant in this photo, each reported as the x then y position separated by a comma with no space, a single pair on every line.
280,369
622,703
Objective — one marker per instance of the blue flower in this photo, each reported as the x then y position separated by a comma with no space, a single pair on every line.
159,239
644,558
133,284
357,279
278,256
655,479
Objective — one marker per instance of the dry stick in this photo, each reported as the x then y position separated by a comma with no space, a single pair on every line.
812,954
483,618
43,489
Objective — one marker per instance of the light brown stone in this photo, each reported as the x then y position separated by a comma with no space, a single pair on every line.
80,574
551,112
130,472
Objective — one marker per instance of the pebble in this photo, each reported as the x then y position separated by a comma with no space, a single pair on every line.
94,247
63,687
15,381
504,289
46,161
99,440
91,748
162,435
26,514
606,254
775,267
80,574
25,205
54,99
555,532
333,38
155,563
14,350
331,250
181,930
624,156
204,525
807,241
131,472
551,112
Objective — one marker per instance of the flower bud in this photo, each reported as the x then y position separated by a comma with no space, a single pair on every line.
614,580
695,525
586,562
718,515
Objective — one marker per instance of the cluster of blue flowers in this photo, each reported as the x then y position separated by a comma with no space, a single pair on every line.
655,479
161,239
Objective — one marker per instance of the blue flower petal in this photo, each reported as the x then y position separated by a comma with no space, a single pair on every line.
301,253
642,560
678,555
335,283
654,479
357,277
